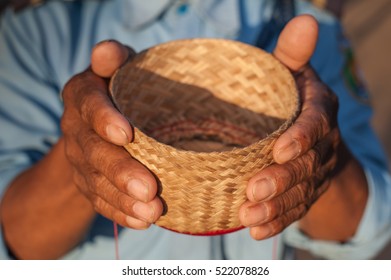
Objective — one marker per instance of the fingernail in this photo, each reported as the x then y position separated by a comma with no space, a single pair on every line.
139,189
289,151
263,189
255,215
144,211
117,135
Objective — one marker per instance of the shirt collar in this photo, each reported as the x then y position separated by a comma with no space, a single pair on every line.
137,13
223,14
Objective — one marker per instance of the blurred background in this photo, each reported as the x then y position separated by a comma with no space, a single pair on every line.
367,24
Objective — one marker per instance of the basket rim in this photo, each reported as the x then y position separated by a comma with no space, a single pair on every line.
137,133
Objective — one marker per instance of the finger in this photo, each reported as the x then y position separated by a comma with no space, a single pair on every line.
98,110
108,56
147,212
134,190
278,222
278,178
87,94
317,118
253,214
73,152
297,42
278,225
126,173
112,213
305,193
107,199
104,208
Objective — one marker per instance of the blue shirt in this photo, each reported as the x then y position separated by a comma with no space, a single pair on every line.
42,48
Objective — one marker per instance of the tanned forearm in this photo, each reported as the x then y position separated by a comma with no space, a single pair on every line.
338,212
43,214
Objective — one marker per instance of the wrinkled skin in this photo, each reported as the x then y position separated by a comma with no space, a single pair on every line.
284,192
119,187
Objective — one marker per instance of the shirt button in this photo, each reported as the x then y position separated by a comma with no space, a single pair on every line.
182,9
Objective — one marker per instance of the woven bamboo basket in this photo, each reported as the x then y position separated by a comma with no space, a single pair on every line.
206,114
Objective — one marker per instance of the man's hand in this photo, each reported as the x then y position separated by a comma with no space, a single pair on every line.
306,154
119,187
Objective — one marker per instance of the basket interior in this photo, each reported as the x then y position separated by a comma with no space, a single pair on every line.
205,95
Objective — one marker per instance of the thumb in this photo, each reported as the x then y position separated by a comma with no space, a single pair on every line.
297,42
108,56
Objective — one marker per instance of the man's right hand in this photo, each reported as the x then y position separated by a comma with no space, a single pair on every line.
118,186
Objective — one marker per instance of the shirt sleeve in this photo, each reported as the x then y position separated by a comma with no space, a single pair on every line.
332,60
30,108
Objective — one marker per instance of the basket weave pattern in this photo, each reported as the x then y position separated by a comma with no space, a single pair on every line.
206,114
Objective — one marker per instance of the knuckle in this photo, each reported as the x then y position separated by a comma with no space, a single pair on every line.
276,226
81,185
126,204
110,194
281,224
285,176
306,165
275,175
284,204
116,168
302,133
323,187
68,92
119,217
71,155
324,120
95,184
288,218
94,107
87,107
302,209
303,192
92,148
312,127
316,125
293,173
312,160
115,199
119,172
273,208
79,181
335,137
98,203
65,123
158,206
332,164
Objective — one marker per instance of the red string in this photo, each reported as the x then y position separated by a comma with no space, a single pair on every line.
116,240
275,248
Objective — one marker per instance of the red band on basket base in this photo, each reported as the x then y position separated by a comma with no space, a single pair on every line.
210,233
